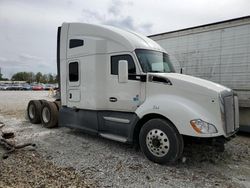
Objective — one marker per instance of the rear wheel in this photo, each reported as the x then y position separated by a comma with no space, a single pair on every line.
33,111
49,114
160,141
58,104
42,101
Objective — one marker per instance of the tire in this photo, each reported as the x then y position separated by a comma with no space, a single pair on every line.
33,111
42,101
160,141
58,104
181,145
49,115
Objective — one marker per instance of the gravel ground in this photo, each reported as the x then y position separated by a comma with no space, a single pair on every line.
28,169
99,162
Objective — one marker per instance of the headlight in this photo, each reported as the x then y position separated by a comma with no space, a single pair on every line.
203,127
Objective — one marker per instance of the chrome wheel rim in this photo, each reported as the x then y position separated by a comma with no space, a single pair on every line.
46,114
32,111
157,142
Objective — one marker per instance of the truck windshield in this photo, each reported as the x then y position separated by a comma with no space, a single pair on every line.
154,61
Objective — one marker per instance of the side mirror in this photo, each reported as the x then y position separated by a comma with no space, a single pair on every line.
123,71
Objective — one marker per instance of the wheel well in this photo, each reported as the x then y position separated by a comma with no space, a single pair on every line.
143,120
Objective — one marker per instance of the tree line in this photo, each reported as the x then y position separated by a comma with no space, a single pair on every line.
32,77
3,79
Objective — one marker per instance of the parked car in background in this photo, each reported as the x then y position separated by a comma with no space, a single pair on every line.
4,86
15,87
56,86
38,87
26,87
48,86
1,86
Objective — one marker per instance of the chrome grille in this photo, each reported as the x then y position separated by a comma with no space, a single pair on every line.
236,112
231,112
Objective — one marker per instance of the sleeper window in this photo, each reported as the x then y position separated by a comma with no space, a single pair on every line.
73,43
73,72
115,61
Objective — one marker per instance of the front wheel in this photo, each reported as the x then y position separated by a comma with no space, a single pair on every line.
160,141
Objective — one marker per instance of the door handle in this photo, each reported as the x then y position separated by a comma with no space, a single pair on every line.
70,95
112,99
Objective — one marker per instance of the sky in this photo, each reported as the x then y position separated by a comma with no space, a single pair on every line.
29,27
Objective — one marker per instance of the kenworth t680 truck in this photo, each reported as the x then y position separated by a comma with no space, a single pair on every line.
122,86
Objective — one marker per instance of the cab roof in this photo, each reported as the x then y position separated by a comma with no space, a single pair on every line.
130,40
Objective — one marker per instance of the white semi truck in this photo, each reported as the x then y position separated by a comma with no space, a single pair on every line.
122,86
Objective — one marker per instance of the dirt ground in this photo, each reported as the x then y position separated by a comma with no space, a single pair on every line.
68,158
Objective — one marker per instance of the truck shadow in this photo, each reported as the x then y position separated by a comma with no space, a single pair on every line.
243,134
235,151
195,153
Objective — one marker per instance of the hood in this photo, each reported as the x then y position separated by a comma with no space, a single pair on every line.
182,80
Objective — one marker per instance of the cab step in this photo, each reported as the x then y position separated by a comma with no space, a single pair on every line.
114,137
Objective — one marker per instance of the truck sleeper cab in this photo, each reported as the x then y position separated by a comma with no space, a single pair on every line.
122,86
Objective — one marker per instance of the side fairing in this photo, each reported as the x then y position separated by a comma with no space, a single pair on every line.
63,60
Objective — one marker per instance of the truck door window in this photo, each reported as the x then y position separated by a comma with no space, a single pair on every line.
73,43
73,72
114,63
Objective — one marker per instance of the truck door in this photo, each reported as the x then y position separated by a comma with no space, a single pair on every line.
123,96
73,82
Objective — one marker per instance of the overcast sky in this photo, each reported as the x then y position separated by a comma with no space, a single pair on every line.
28,27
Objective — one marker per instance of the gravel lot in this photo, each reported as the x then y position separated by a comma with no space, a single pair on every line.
77,159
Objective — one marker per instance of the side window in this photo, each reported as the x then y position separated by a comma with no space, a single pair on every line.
73,72
73,43
114,64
